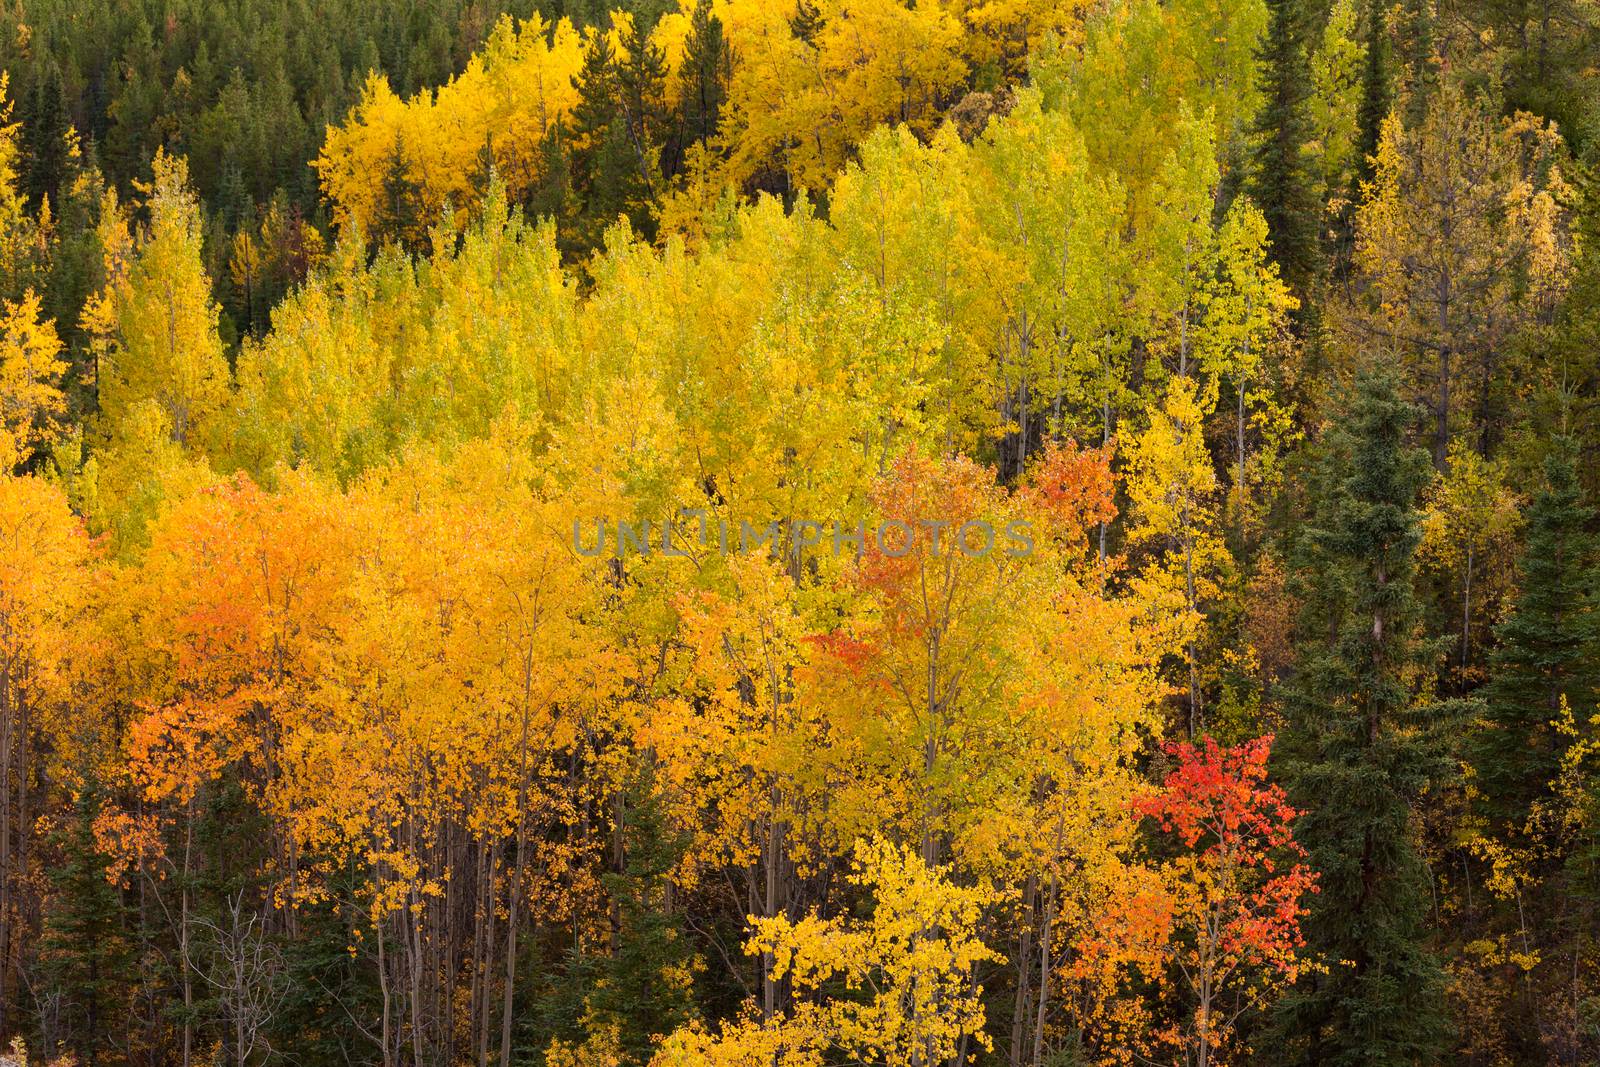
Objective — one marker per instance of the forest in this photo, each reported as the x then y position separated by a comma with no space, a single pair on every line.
799,533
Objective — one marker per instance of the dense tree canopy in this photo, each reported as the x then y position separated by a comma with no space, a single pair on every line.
722,532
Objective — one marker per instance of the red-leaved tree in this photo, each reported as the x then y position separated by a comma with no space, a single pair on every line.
1215,927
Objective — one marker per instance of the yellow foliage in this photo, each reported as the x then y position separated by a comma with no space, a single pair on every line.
31,403
509,97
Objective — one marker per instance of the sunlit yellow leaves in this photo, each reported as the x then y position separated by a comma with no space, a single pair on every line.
31,403
44,561
162,373
910,967
363,360
156,318
504,104
965,673
1335,99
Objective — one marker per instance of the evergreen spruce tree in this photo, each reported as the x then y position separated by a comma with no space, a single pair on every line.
1281,182
703,88
84,954
1549,648
806,22
1360,748
552,197
402,201
641,85
330,991
75,270
1374,91
641,986
707,67
45,125
1574,345
1417,48
611,155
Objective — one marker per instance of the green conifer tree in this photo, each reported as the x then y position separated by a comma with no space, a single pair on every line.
1281,182
403,219
84,952
45,125
1361,747
806,22
1548,649
703,89
1375,91
613,156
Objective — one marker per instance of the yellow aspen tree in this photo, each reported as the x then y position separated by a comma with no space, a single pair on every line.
915,955
45,561
454,702
1047,247
1180,245
155,319
1244,344
237,585
1471,526
898,216
1336,100
1148,69
883,61
160,366
920,691
1172,488
511,96
1007,32
912,961
31,403
729,736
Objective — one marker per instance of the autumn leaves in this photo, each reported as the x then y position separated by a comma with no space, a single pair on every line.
415,679
893,803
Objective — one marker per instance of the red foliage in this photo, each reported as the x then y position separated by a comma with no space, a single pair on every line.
1219,804
1218,925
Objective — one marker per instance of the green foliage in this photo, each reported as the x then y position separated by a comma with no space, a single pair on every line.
1281,181
1375,90
243,88
1549,650
86,955
616,137
358,872
1362,746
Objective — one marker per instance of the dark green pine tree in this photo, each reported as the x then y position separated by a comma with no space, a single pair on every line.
638,985
1549,648
609,153
1575,342
44,136
707,66
85,958
75,271
642,987
1375,91
1281,182
552,197
329,992
642,85
403,219
1360,748
1417,47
